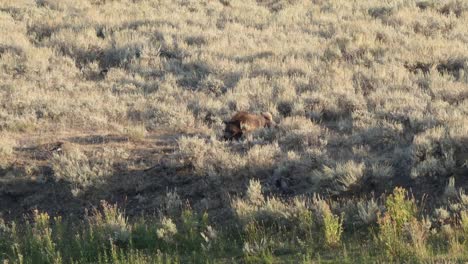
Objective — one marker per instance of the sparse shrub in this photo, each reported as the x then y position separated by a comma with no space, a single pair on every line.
210,237
346,176
167,230
400,207
390,238
210,158
418,232
331,106
168,114
368,211
136,133
331,225
299,171
84,170
456,7
277,5
464,224
378,12
207,110
213,85
401,233
20,124
285,108
76,44
258,244
173,204
123,55
450,190
333,228
433,151
61,5
246,209
5,236
272,213
305,221
190,224
299,133
255,194
262,159
441,215
111,224
39,245
263,219
6,148
382,171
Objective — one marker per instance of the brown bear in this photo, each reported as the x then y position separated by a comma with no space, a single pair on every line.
244,122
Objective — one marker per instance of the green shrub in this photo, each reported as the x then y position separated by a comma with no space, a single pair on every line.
400,208
464,225
167,230
390,238
272,211
110,225
35,244
258,243
401,234
331,226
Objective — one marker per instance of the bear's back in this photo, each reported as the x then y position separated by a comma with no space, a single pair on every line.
248,121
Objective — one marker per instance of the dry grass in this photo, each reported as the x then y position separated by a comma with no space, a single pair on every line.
84,170
367,95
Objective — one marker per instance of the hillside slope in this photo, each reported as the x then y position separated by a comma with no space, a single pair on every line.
367,96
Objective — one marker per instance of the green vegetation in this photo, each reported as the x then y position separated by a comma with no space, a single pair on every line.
262,232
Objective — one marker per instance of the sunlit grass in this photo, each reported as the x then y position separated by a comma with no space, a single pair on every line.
367,95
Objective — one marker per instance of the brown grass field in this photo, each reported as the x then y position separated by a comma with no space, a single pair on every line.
124,100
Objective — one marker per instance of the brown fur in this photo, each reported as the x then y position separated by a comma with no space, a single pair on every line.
244,122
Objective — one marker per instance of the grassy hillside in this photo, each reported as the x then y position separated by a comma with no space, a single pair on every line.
123,101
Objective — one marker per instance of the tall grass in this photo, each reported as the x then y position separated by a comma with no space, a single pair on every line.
308,233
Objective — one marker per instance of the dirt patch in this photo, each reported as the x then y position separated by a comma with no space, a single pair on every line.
96,139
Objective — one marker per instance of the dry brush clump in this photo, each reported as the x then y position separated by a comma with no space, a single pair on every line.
299,133
256,207
210,158
7,145
368,211
215,159
343,177
84,170
110,224
440,152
